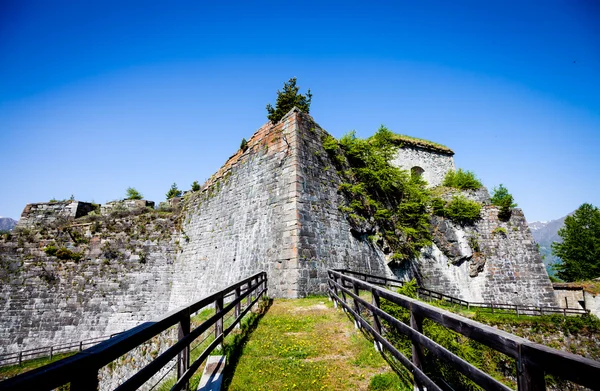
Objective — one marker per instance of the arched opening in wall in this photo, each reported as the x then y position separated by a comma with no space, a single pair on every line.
416,171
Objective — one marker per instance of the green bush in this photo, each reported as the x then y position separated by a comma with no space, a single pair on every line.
244,145
173,192
195,186
50,250
463,180
63,253
500,231
383,199
462,210
133,194
503,199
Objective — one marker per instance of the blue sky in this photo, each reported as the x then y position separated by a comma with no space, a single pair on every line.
97,96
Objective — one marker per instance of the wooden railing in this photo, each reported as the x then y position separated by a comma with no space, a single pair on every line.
17,358
532,360
425,293
81,370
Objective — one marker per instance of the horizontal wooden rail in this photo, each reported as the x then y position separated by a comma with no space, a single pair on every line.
50,351
533,360
81,370
433,295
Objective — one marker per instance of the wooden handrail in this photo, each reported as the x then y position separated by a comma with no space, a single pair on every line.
81,370
533,360
519,309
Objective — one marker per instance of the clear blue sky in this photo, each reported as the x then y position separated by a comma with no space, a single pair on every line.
97,96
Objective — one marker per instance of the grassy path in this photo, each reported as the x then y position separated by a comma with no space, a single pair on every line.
305,344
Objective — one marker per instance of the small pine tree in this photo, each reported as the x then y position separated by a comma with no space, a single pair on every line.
195,186
173,191
287,99
133,194
244,145
503,199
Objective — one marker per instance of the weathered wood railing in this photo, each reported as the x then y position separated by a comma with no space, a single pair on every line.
17,358
533,360
81,370
425,293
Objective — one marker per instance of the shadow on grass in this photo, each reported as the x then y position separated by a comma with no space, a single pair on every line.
405,377
235,348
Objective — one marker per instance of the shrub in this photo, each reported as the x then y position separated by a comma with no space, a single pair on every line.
463,180
287,99
173,192
244,145
499,231
50,250
133,194
195,186
62,253
503,199
381,198
462,210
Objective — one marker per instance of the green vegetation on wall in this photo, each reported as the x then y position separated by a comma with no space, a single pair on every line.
133,194
463,180
460,209
385,203
504,200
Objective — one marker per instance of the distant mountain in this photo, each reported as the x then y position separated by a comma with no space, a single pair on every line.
544,233
7,224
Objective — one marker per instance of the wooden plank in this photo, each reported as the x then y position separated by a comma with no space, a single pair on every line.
568,366
417,373
472,372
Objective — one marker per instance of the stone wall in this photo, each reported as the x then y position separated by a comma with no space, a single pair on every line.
569,297
435,164
125,205
592,302
43,213
273,207
505,266
123,278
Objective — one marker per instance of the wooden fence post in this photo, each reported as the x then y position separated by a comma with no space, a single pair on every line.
356,306
219,324
529,377
416,322
376,321
238,306
183,358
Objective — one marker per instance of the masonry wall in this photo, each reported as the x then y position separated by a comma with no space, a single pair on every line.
508,268
123,278
325,240
273,208
49,212
244,222
435,164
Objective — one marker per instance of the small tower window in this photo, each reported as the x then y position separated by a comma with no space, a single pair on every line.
416,171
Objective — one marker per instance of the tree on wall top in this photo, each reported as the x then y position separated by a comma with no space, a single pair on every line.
580,248
287,99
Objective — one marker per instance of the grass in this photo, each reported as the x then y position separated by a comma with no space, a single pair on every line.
305,344
14,370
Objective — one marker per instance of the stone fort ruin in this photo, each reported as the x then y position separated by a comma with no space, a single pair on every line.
274,207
